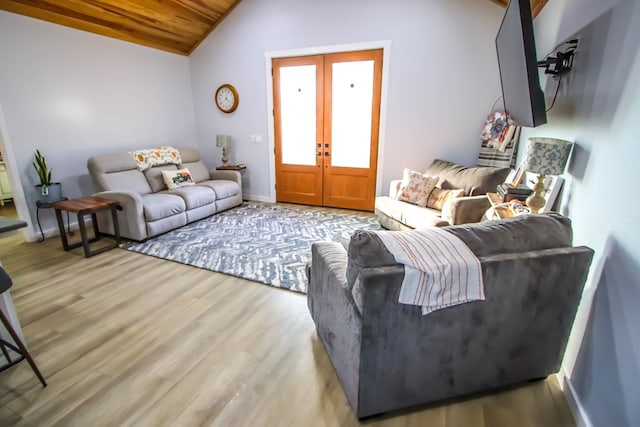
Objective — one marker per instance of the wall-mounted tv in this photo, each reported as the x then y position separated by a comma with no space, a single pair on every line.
516,47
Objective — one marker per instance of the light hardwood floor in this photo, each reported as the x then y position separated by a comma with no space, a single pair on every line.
125,339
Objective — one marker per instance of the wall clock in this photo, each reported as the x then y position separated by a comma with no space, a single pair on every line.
227,98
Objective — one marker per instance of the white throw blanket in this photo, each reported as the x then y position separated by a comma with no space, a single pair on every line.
440,269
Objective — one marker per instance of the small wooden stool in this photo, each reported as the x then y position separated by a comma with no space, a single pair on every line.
19,347
82,207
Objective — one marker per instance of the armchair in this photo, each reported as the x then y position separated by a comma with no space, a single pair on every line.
389,356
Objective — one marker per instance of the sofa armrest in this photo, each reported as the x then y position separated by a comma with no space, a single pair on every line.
329,295
328,262
227,175
394,188
131,218
465,210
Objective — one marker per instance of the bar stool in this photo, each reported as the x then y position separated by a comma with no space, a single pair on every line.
19,347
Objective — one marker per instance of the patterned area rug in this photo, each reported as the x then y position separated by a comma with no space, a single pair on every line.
262,242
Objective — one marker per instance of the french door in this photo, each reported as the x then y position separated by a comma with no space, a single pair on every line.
326,120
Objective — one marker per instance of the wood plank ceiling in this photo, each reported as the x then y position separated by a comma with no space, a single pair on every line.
536,5
176,26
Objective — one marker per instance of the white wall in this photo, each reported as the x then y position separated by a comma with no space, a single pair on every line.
73,94
443,75
598,108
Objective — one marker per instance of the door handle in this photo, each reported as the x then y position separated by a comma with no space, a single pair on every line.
326,153
326,145
319,144
319,153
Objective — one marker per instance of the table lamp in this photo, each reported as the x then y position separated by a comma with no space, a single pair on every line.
224,141
544,156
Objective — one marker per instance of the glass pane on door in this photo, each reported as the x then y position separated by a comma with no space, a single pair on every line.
351,103
298,114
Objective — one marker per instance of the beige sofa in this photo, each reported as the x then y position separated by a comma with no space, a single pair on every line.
475,181
149,208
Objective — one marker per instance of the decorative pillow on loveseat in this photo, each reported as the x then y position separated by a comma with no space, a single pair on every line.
177,178
438,197
416,187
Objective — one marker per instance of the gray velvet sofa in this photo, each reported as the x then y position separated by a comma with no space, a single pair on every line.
475,181
389,356
149,208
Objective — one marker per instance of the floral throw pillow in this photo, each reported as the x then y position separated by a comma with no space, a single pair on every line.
177,178
416,187
438,197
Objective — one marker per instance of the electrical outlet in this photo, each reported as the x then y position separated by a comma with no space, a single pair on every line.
256,138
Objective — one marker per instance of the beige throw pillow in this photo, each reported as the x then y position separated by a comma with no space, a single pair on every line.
438,197
416,187
177,178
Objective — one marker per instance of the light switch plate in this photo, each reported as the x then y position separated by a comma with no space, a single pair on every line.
256,138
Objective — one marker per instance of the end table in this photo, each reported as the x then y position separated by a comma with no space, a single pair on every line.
82,207
239,167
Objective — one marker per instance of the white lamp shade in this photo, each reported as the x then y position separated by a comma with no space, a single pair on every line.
546,156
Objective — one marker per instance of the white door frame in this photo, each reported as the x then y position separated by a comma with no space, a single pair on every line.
19,199
385,45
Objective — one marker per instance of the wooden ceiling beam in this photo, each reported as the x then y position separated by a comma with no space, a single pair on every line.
536,5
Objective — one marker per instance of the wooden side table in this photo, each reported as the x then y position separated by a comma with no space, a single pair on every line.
82,207
239,167
499,208
504,210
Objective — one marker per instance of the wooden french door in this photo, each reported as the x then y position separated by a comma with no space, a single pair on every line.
326,117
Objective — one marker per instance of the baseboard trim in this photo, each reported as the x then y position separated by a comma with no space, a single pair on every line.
53,231
251,197
577,410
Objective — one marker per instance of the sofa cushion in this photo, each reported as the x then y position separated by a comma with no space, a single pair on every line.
162,205
438,197
474,180
518,234
107,163
514,235
189,155
154,177
416,187
117,172
222,187
177,178
130,180
194,196
198,170
411,215
366,250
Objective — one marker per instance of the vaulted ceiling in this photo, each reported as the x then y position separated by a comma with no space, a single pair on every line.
173,25
176,26
536,5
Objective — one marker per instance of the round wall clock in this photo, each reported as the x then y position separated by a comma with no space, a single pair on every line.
227,98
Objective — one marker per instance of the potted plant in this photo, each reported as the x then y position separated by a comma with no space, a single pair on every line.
49,191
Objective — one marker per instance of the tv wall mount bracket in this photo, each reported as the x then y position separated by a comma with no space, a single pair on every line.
562,62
